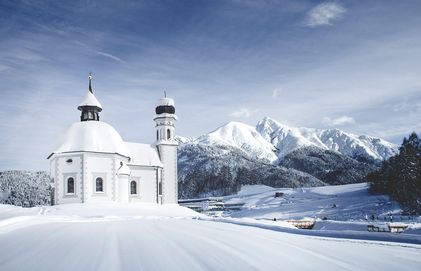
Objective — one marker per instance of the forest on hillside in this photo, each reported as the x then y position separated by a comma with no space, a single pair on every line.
400,176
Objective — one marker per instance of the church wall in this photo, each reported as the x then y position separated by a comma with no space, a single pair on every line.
65,167
146,179
168,155
99,165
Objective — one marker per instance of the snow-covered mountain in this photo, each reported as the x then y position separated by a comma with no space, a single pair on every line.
272,141
287,139
240,136
219,162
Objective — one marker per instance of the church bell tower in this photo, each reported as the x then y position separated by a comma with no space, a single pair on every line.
166,145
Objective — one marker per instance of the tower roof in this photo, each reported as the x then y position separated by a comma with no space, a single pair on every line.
165,102
89,100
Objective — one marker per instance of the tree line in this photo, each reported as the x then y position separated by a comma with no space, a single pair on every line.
400,176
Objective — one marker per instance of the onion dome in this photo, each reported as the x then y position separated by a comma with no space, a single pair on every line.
165,105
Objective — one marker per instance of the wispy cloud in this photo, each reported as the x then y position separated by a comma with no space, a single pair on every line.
275,93
243,113
110,56
339,121
324,14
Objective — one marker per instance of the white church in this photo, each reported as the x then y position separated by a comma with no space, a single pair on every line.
92,163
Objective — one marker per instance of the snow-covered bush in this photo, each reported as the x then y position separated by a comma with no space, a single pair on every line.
25,188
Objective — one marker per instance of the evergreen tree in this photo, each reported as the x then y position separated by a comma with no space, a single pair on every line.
400,176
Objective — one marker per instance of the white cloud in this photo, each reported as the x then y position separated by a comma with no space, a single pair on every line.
275,93
324,14
338,121
243,113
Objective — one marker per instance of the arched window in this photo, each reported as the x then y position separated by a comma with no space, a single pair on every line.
70,186
168,134
99,185
157,135
133,188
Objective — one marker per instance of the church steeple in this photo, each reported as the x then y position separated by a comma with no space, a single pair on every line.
90,107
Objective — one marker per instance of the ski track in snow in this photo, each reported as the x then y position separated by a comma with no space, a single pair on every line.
46,243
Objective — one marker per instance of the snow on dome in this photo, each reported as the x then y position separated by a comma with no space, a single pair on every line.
89,100
165,102
94,136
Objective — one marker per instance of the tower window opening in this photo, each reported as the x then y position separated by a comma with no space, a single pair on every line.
168,134
157,135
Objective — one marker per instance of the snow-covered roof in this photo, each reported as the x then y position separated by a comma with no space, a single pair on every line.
165,101
90,100
94,136
143,154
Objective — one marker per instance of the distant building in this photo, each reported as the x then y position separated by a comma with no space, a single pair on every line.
92,163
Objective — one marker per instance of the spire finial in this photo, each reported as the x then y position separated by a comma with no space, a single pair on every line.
90,80
165,94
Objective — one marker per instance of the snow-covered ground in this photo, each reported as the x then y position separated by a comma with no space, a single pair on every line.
150,237
341,202
335,208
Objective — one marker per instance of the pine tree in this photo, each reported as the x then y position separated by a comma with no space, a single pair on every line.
400,176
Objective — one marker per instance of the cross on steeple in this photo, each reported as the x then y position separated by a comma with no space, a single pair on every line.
90,80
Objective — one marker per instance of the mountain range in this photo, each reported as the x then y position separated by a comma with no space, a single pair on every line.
274,154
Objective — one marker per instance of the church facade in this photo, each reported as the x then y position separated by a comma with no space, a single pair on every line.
92,163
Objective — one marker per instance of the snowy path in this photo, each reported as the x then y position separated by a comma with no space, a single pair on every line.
188,244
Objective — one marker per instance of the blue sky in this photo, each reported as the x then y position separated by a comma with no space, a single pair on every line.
352,65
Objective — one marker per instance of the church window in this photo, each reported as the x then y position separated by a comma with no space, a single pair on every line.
133,188
99,185
70,186
69,161
157,135
160,188
168,134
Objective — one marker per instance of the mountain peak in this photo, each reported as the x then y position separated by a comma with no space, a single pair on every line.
271,140
240,136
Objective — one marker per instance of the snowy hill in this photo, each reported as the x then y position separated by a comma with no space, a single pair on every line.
335,208
339,202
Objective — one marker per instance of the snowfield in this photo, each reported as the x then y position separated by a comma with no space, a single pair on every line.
336,202
151,237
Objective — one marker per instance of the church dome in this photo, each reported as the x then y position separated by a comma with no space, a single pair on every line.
165,105
93,136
